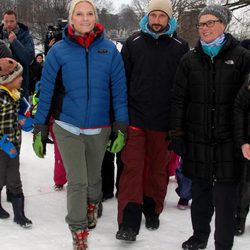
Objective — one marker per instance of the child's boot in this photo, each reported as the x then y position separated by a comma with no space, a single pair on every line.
18,208
3,213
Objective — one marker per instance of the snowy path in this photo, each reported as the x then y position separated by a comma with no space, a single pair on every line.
47,208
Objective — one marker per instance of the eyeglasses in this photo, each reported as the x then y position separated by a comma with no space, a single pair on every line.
208,24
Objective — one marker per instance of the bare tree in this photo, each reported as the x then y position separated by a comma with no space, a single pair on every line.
128,19
5,5
235,5
139,7
104,4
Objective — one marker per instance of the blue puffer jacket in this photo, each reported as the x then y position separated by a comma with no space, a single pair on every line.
88,79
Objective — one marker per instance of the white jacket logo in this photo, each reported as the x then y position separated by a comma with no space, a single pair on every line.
230,62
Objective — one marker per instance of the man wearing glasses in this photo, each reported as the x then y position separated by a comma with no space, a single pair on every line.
207,81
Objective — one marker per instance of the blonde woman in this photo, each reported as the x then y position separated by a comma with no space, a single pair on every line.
91,73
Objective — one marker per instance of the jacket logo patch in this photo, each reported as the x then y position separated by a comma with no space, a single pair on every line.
102,51
230,62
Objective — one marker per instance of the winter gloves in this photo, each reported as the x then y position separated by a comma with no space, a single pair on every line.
118,137
177,141
39,139
116,143
8,147
26,123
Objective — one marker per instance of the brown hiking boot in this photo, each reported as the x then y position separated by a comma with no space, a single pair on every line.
92,215
80,240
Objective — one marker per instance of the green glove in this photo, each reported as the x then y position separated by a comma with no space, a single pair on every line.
116,144
39,140
38,146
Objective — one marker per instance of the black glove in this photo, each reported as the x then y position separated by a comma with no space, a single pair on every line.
40,135
178,145
120,126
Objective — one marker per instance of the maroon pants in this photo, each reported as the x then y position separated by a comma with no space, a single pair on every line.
59,170
145,174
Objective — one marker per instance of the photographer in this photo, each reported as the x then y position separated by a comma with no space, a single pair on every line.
54,34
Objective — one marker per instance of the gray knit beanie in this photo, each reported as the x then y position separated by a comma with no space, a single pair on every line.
221,12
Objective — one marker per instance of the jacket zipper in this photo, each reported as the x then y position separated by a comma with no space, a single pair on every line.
213,120
87,69
87,76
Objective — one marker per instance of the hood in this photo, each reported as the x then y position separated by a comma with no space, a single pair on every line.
172,25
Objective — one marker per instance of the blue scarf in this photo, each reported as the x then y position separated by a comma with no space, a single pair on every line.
172,25
212,49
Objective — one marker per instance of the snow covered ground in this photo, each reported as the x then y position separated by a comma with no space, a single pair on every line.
47,209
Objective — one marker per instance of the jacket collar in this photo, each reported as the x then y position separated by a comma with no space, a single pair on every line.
86,40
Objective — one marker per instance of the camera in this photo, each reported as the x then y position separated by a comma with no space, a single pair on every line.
54,32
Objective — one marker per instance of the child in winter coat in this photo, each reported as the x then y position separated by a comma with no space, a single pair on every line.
184,188
10,138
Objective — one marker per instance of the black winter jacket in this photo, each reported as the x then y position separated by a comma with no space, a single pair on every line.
242,123
150,66
202,106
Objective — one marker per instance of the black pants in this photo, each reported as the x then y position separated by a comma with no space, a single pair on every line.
108,172
243,200
9,173
221,198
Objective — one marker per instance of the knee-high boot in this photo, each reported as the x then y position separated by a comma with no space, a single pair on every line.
18,208
3,213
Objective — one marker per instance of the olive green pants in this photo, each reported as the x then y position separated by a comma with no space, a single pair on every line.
82,158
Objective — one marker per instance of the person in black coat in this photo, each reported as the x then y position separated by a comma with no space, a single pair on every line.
207,82
35,72
151,57
242,108
18,38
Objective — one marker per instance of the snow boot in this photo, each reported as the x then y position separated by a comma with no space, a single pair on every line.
182,204
194,244
100,209
152,222
3,213
18,208
92,215
240,226
58,187
126,233
8,195
80,240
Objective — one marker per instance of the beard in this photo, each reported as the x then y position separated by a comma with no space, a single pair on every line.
158,28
